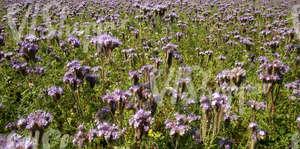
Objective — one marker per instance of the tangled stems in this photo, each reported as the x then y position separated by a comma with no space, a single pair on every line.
177,137
218,118
205,125
271,96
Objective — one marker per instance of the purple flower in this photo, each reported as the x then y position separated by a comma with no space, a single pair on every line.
71,79
253,125
110,98
256,105
171,17
106,42
37,70
75,74
225,143
80,137
92,134
92,79
55,92
101,114
230,117
2,42
108,131
295,88
74,41
170,47
38,120
141,120
28,50
176,128
63,45
180,125
231,79
147,68
21,122
193,117
18,66
221,57
272,72
261,134
219,100
10,125
157,61
263,59
15,141
205,103
30,38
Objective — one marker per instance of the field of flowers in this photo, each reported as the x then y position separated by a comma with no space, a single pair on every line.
150,74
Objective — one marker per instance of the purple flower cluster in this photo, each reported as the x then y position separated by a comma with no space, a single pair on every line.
80,137
141,120
108,131
28,51
18,66
219,101
2,42
5,56
171,52
74,41
16,141
106,42
37,70
181,125
295,87
92,79
171,17
215,111
135,75
255,132
225,143
38,120
221,57
256,105
272,72
170,47
118,97
76,74
157,61
272,44
129,53
231,79
55,92
205,103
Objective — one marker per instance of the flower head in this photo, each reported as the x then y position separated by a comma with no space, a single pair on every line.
108,131
142,119
106,42
54,92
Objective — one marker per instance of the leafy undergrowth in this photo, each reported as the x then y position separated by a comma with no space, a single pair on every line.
149,74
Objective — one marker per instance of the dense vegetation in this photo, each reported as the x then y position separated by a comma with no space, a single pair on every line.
149,74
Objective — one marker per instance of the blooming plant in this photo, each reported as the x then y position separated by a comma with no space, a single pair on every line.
149,74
